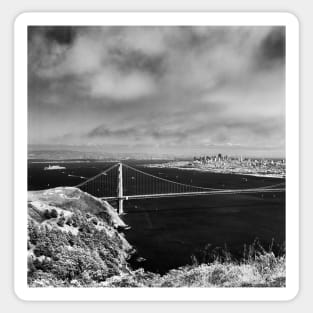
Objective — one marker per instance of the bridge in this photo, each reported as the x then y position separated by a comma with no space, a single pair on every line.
122,182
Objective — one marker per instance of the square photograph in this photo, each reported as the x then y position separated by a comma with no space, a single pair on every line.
156,156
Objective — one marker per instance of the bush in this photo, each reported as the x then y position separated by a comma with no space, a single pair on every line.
61,221
33,232
94,221
43,248
54,213
75,221
46,214
218,275
50,214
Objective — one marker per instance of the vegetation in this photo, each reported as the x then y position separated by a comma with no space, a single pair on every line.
257,269
70,246
60,256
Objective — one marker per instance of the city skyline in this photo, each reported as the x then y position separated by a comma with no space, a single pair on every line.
158,90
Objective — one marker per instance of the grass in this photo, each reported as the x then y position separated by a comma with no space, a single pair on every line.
264,270
258,268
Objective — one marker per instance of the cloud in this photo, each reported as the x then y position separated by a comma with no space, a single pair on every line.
103,131
112,84
182,87
121,67
273,46
149,41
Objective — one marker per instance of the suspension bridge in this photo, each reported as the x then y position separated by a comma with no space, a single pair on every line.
122,182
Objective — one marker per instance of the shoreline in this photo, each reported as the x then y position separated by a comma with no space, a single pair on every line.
210,170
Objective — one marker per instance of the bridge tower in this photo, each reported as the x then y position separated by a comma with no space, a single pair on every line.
120,209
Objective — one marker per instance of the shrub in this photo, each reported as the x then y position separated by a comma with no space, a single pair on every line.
54,213
94,221
61,221
46,214
33,232
218,275
75,221
50,214
43,248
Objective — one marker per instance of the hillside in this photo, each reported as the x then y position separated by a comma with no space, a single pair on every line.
73,241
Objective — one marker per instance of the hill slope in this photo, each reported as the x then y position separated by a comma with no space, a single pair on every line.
73,239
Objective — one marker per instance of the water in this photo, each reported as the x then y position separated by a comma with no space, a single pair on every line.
167,232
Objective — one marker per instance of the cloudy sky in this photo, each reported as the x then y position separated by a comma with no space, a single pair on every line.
158,90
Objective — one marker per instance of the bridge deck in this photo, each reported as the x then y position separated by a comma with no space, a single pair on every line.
202,193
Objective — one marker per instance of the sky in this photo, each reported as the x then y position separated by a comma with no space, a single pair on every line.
158,90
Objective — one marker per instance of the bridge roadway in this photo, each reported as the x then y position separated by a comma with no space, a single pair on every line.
200,193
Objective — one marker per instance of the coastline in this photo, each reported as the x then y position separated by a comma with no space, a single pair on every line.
218,171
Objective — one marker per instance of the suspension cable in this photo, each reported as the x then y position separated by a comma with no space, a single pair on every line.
94,177
167,180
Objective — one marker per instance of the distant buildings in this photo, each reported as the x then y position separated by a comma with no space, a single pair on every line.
224,163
